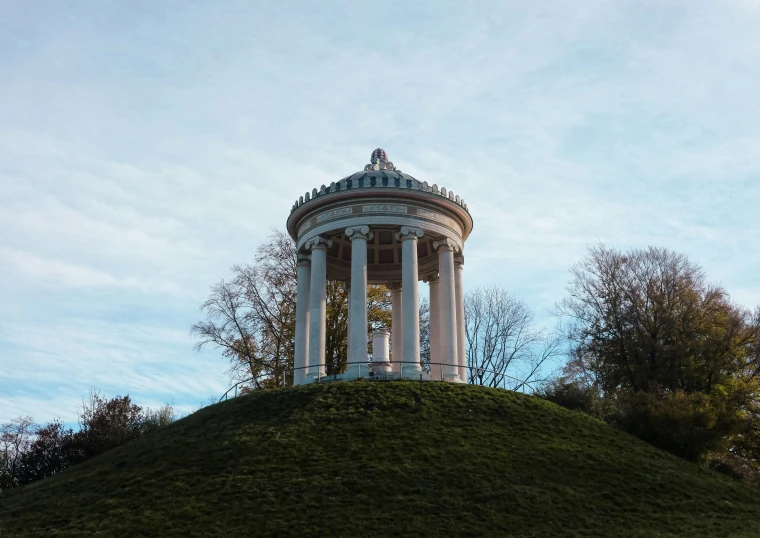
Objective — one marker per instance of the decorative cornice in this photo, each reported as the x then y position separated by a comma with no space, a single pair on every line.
408,232
359,232
318,242
389,180
380,173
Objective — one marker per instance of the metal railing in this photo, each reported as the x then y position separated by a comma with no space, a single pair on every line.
498,380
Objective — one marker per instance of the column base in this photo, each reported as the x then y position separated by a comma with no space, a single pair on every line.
312,377
366,374
452,378
381,367
411,370
356,371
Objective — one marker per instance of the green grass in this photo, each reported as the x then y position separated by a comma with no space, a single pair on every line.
384,459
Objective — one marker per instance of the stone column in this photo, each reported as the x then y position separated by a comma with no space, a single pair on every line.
357,336
448,323
410,300
380,362
347,288
317,306
435,330
461,339
397,332
301,355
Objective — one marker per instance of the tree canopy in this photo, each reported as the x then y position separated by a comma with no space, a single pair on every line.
661,352
647,320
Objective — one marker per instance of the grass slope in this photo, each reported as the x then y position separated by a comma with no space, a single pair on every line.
384,459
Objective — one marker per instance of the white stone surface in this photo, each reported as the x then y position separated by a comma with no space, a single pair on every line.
380,357
301,354
384,220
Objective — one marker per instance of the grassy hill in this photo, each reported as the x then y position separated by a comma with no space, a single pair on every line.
384,459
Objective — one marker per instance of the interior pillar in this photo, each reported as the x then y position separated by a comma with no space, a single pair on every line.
410,300
459,292
397,330
435,330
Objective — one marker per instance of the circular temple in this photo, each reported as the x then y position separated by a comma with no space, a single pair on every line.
381,226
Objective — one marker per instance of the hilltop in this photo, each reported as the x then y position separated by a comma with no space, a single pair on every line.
383,459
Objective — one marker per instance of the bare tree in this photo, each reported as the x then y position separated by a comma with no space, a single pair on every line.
252,317
425,333
505,347
16,437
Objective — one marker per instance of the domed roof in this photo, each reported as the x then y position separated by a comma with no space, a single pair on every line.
380,173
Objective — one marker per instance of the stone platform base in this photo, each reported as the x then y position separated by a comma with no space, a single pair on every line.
364,373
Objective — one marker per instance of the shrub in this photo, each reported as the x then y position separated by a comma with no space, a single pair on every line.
735,466
577,397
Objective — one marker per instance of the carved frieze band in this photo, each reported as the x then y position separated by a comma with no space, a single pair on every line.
384,208
305,226
432,215
328,215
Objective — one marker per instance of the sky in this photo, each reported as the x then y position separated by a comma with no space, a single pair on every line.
146,147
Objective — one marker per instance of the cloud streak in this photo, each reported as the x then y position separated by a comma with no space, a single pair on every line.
144,151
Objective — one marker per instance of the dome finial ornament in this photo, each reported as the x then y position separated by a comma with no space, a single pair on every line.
379,161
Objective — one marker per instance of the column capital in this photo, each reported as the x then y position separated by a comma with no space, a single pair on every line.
394,286
408,232
318,242
304,259
432,278
445,244
359,232
458,261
